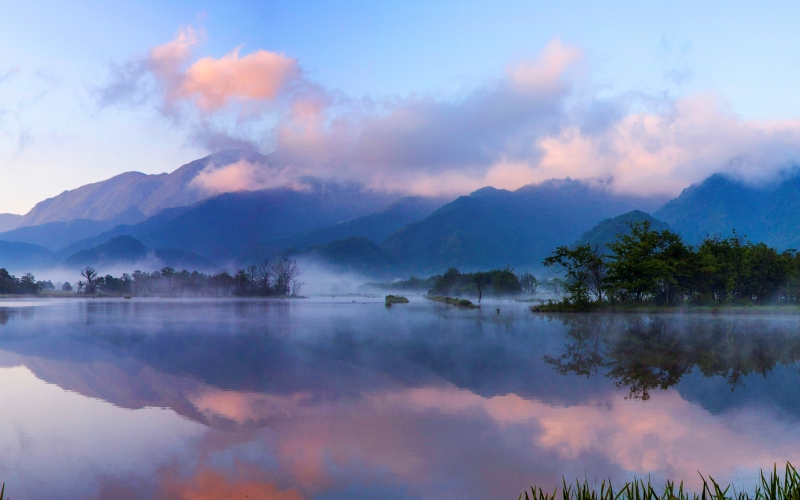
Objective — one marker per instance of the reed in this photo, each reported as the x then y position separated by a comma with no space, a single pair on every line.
771,487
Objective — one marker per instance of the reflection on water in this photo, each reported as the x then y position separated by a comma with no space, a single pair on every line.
643,353
332,400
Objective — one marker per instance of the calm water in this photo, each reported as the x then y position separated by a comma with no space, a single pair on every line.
332,399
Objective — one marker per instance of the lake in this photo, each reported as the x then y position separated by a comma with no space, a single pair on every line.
343,398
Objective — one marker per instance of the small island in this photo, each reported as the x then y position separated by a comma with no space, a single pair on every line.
395,299
648,269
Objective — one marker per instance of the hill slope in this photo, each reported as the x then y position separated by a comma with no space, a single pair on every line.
23,257
377,226
56,235
493,228
717,205
607,230
9,222
150,194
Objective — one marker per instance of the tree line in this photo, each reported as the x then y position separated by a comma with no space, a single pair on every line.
267,279
25,285
495,282
657,267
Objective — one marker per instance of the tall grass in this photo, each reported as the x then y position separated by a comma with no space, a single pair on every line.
771,487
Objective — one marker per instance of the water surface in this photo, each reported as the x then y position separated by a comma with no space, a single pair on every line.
335,399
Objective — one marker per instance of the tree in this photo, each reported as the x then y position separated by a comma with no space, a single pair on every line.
529,283
286,274
481,280
27,285
645,263
263,276
66,287
585,270
89,287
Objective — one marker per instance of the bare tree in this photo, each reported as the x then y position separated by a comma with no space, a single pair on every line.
263,276
89,287
481,280
286,273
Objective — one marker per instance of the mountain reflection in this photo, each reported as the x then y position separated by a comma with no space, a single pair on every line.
643,353
315,399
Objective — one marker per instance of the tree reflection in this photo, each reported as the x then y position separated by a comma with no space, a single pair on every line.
645,353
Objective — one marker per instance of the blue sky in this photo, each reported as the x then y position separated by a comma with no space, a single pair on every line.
646,56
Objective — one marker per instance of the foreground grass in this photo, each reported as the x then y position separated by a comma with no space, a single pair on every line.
771,487
561,307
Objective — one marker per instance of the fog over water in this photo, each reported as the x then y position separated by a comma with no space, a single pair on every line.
330,398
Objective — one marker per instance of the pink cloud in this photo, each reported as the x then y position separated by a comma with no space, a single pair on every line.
538,121
212,84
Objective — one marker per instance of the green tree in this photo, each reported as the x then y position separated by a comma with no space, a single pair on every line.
647,264
585,270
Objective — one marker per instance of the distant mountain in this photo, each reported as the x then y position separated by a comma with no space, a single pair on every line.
377,226
607,230
120,250
123,229
781,216
9,222
147,193
494,227
351,254
129,250
56,235
717,205
218,229
24,257
720,205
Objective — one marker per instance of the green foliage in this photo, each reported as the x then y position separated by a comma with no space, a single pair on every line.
585,268
26,285
771,487
644,266
646,263
494,282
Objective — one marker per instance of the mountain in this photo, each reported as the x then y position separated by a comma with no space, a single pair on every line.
56,235
123,229
9,222
376,226
718,205
24,257
149,194
494,227
355,253
129,250
781,216
721,204
221,227
122,249
607,230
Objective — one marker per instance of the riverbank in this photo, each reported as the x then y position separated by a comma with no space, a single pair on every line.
684,309
772,487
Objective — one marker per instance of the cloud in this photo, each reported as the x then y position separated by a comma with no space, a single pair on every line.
208,485
541,119
245,176
168,76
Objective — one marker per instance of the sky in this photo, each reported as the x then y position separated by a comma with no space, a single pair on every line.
434,97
